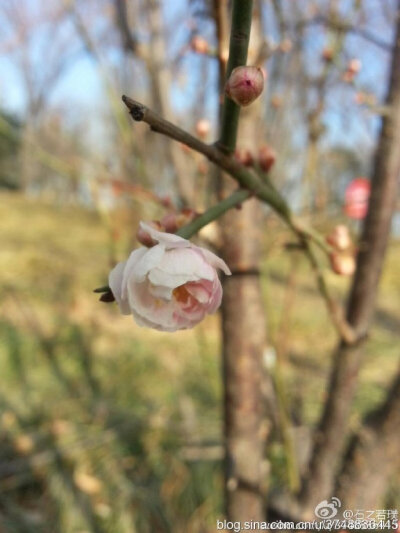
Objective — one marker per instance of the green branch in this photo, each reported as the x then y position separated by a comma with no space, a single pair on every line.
238,47
213,213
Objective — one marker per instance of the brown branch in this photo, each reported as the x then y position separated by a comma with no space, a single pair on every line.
343,27
330,435
346,332
245,178
129,41
360,484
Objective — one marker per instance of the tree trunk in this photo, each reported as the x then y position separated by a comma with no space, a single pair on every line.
244,338
361,484
331,433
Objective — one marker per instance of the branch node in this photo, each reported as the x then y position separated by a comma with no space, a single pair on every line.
136,110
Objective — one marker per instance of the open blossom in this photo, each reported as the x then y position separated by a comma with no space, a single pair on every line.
170,286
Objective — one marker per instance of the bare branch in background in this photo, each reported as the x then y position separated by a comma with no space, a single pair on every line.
330,435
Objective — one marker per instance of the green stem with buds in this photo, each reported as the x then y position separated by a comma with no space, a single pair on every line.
238,47
214,212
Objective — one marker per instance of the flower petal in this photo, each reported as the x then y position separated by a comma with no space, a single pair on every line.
187,262
214,260
133,259
150,259
199,290
115,282
170,240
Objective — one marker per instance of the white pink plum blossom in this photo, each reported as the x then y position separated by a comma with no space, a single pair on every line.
170,286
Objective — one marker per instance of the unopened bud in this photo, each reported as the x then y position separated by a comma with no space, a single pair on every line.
266,157
203,127
340,238
166,201
244,156
186,215
360,98
199,45
144,238
171,222
352,69
354,66
343,263
363,98
244,85
328,54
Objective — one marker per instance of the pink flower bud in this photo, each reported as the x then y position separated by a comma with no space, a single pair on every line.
340,238
171,222
185,216
244,85
199,45
360,98
343,263
166,201
354,66
203,128
266,157
352,69
328,54
144,236
244,156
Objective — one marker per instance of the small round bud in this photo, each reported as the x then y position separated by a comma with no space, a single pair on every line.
343,263
340,238
352,69
244,85
171,222
266,157
244,156
203,127
360,98
166,202
354,66
185,216
363,98
199,45
144,238
224,55
328,54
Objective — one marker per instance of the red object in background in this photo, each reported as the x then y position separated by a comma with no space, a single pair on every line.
356,198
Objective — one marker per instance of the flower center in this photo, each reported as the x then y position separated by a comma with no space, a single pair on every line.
181,294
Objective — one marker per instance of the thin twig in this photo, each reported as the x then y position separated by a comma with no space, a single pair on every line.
346,332
214,212
246,179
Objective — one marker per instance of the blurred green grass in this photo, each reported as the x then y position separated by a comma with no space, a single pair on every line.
107,427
